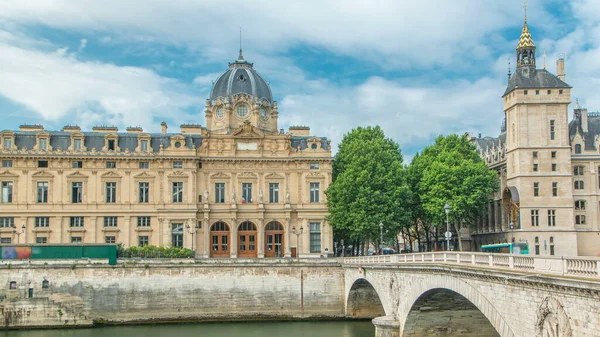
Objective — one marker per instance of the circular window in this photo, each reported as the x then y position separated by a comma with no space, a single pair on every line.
313,146
220,112
177,144
263,113
242,110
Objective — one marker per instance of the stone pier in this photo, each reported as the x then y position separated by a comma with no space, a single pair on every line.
386,326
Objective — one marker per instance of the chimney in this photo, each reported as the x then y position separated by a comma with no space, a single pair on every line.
299,130
560,67
584,120
163,128
105,128
71,128
134,129
31,127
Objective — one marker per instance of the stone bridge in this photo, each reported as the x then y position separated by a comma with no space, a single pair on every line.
475,294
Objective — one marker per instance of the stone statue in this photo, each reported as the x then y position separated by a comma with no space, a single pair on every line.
233,197
206,196
260,196
287,196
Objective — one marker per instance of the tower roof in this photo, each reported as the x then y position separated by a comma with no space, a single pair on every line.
241,78
525,40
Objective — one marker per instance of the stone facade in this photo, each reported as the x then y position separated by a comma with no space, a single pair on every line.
549,185
237,187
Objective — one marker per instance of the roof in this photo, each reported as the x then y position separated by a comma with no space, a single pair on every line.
525,78
593,127
486,143
525,40
241,78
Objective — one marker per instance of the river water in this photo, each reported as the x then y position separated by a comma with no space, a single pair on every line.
245,329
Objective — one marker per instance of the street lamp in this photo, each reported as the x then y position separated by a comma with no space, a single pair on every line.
17,233
381,238
447,210
192,230
511,225
297,232
343,248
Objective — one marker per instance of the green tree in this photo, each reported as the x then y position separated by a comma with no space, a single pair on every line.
368,186
455,174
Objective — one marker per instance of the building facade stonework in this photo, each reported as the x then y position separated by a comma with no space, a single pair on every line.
549,167
237,187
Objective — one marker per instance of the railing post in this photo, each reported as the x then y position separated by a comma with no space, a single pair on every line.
445,257
414,258
565,266
457,257
491,260
472,259
597,268
511,262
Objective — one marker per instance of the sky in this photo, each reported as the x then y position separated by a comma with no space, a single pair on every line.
416,68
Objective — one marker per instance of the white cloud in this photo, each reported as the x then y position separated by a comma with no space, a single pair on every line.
82,45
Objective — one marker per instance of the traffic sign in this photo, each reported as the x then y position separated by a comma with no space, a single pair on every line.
448,235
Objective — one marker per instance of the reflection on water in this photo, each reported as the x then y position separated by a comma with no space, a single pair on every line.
245,329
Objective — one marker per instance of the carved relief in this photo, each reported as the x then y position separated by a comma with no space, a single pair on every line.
552,320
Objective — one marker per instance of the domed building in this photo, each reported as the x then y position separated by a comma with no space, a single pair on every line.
237,187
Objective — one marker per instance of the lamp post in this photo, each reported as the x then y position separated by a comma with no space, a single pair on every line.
192,231
17,233
343,248
511,225
381,238
447,210
298,232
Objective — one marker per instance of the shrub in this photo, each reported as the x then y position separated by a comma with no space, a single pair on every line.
155,252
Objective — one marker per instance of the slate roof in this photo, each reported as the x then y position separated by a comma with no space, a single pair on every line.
485,143
593,121
302,141
538,78
241,78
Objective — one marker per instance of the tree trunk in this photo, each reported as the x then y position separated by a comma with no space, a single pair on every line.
457,227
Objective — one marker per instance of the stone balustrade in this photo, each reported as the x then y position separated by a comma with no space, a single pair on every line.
587,267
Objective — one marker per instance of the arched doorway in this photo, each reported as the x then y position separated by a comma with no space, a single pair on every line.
510,202
219,240
274,239
247,239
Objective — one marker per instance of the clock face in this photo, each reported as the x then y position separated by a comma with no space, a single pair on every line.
220,113
263,113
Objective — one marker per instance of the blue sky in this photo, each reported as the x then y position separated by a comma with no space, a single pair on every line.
417,69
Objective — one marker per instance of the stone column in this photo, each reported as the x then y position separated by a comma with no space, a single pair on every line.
489,217
233,243
207,243
386,326
260,240
287,240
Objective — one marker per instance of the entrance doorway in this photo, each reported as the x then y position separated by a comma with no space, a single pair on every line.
274,239
219,240
247,239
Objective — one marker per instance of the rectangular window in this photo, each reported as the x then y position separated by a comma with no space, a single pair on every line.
536,189
273,193
76,221
535,154
7,192
219,193
314,166
315,237
178,164
314,192
42,221
43,143
111,192
580,219
42,192
142,240
111,164
246,192
554,189
553,154
42,163
76,239
7,143
144,145
579,185
110,221
41,240
143,221
77,192
109,239
177,235
551,217
7,163
578,170
553,167
111,145
535,217
549,92
178,192
525,92
552,129
7,221
77,164
144,165
5,241
144,192
535,167
537,92
77,144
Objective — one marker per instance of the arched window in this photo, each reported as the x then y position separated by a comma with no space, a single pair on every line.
219,226
577,148
247,226
551,245
274,226
537,245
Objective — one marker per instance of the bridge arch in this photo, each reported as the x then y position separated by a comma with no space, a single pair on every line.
363,301
439,283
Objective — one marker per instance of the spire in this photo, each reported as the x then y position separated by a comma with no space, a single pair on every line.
509,74
525,47
240,57
525,40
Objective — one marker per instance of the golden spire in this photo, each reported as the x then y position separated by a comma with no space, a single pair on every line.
525,40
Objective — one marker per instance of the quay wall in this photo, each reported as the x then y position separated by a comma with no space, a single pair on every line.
86,294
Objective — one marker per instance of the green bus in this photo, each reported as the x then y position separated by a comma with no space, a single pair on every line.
506,248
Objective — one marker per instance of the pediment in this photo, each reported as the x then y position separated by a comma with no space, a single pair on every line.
177,174
42,174
8,174
247,175
219,175
77,175
273,176
315,175
248,131
143,175
110,174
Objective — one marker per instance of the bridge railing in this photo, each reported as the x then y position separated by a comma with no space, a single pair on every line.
570,266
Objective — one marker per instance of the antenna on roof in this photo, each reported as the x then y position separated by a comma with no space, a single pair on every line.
509,74
544,59
241,57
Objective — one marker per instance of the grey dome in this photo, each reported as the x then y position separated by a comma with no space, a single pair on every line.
241,78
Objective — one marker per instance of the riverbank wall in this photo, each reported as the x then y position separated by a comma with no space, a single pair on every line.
84,293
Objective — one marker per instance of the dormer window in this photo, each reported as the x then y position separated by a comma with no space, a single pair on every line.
144,145
7,143
77,145
43,144
111,142
577,148
111,145
242,110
